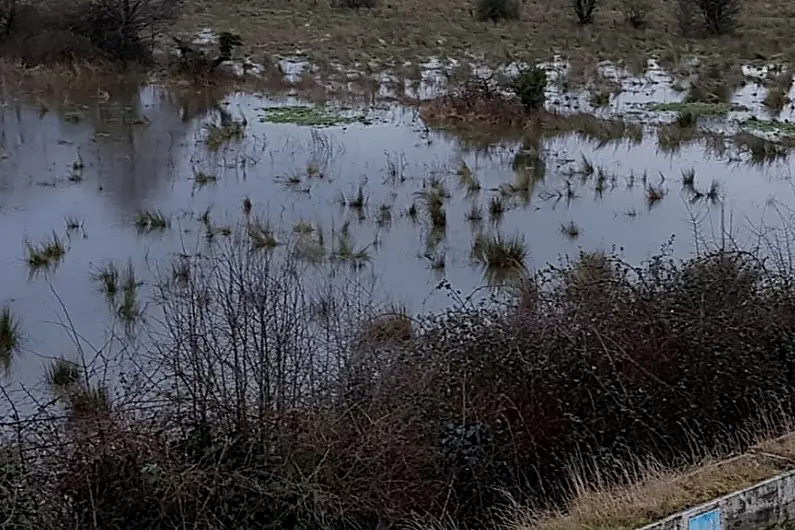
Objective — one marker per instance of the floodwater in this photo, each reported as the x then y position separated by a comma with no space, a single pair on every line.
111,155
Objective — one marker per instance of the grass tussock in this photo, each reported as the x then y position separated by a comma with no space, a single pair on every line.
47,254
63,375
10,336
150,221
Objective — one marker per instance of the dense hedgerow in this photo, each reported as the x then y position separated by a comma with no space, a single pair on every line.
282,407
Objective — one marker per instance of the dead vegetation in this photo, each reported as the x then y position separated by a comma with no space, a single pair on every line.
282,402
48,31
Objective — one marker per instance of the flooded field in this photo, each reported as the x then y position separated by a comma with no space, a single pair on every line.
142,174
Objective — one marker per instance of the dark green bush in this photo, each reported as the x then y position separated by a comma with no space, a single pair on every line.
496,10
529,87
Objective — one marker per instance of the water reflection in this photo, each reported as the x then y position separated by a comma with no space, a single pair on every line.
419,205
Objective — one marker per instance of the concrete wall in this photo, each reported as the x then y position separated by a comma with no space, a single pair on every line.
760,507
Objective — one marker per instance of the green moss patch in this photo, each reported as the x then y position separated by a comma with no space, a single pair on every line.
307,116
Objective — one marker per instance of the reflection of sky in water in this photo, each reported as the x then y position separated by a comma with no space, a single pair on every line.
133,164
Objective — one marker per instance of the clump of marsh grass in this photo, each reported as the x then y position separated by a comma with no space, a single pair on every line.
303,227
713,194
220,135
10,336
384,215
200,178
570,230
73,224
357,202
129,309
63,375
689,179
433,199
586,167
261,236
48,253
108,278
411,212
474,214
467,179
345,251
501,257
654,194
149,221
496,208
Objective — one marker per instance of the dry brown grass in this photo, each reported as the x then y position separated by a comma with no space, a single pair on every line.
400,30
658,494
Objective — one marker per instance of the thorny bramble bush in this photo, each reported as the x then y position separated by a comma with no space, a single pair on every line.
275,412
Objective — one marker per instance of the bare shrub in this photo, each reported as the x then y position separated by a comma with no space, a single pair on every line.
716,17
85,29
584,10
282,401
635,12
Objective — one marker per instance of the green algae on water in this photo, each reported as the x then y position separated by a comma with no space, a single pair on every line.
696,108
307,116
784,128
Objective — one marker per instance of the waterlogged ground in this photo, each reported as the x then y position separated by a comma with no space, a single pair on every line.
85,169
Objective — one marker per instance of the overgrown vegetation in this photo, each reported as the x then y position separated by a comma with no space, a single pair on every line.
272,391
50,31
716,17
496,10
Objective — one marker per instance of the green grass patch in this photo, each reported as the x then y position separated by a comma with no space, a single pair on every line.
307,116
698,108
772,126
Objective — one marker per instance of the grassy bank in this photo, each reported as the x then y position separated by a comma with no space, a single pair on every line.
400,30
654,493
264,399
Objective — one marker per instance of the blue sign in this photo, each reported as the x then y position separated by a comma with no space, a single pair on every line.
705,521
